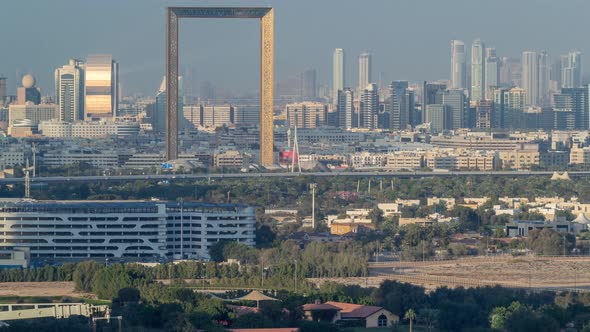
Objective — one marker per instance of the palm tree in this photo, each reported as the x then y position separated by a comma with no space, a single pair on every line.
410,315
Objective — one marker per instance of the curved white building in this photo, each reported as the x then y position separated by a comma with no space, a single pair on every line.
136,230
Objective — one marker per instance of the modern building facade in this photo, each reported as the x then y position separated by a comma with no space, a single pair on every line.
306,115
32,112
369,107
102,85
438,117
458,66
571,70
484,114
544,63
530,76
135,230
69,91
345,108
492,73
477,70
458,105
337,73
401,105
89,129
571,109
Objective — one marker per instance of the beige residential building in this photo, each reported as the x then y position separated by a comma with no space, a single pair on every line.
579,156
306,115
461,159
228,159
367,159
522,158
405,160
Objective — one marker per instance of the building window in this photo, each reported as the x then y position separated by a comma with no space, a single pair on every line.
382,321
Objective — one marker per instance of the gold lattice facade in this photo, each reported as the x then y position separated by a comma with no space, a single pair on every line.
266,16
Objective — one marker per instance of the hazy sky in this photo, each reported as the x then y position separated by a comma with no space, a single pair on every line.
409,39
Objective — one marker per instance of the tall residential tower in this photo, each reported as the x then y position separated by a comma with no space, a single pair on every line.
337,73
477,70
571,70
530,76
69,91
365,69
458,67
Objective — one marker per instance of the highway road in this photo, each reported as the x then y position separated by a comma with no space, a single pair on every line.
177,177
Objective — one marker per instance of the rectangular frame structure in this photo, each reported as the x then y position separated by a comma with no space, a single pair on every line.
266,16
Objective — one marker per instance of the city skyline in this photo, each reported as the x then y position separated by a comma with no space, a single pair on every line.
418,59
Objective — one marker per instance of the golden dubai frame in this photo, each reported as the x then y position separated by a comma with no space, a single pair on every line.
266,16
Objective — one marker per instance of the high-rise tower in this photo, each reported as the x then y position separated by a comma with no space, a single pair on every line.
477,70
571,70
337,73
458,67
544,96
101,81
365,69
69,91
369,107
530,76
345,108
492,73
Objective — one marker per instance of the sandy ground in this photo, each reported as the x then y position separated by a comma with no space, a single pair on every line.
525,272
40,289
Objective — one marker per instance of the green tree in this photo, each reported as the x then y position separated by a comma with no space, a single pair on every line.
84,275
109,281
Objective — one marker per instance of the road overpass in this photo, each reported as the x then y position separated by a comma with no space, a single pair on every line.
180,177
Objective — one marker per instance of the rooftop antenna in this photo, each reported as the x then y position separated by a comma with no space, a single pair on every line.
313,186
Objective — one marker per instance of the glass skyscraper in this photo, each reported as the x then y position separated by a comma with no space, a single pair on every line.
102,77
571,70
492,73
530,76
337,73
458,67
477,70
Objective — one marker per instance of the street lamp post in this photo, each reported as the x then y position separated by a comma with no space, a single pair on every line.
313,186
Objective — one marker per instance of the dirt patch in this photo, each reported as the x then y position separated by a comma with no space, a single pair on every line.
522,272
58,288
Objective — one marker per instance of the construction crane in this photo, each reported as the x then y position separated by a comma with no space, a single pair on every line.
34,150
27,180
